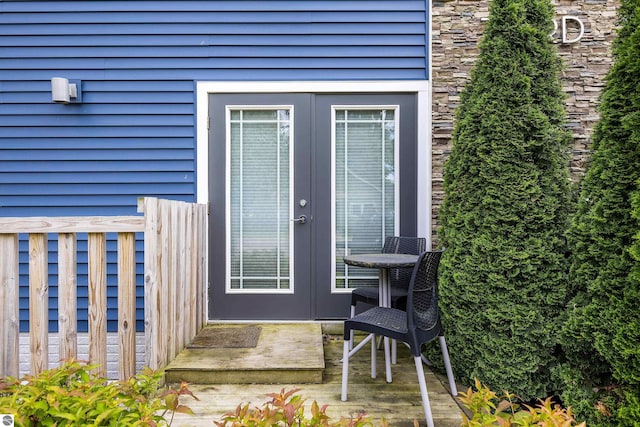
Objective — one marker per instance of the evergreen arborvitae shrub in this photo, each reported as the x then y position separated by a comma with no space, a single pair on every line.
506,207
601,337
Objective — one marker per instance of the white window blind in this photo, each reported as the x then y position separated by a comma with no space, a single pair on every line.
260,150
365,186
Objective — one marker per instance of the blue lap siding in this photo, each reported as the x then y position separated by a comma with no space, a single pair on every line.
134,132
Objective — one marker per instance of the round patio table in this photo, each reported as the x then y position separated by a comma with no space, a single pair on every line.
383,262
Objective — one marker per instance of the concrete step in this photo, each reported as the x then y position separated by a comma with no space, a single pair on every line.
285,353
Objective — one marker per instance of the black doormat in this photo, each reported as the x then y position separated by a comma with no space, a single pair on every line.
233,337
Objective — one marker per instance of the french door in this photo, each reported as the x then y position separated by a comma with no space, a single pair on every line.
297,181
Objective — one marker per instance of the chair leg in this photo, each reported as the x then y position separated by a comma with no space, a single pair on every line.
353,313
447,366
423,391
345,370
394,352
374,365
387,359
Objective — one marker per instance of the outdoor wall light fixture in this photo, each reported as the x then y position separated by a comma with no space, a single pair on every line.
64,92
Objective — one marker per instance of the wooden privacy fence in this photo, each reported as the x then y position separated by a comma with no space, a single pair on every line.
175,260
175,244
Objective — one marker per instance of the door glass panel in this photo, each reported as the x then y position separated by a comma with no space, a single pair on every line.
365,188
259,192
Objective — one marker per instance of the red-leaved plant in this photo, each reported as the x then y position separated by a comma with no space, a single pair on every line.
484,411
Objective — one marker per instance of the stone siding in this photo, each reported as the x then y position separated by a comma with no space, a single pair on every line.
456,30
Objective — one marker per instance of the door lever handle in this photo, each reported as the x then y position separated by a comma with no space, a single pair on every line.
302,219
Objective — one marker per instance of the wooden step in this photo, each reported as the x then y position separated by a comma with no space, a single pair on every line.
285,353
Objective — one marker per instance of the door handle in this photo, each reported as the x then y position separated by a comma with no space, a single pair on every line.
302,219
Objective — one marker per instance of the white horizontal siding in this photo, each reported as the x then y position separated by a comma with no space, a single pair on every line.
83,352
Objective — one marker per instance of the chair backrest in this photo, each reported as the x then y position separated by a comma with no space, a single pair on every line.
411,245
391,244
400,277
423,315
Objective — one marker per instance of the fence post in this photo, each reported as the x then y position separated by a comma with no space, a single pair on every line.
127,305
98,302
38,302
9,304
67,295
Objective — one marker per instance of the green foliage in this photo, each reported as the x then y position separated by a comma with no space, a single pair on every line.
635,249
601,334
286,409
628,414
506,412
604,406
71,395
507,200
598,406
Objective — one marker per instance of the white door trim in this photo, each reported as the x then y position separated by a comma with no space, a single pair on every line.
422,88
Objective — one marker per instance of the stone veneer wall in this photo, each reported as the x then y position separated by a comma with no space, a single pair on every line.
457,27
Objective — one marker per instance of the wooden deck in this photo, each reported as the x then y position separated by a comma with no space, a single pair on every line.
399,403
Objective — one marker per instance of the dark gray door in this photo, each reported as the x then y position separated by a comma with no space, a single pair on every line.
260,192
296,182
365,159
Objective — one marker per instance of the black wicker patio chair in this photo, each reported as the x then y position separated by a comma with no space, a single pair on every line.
415,326
399,277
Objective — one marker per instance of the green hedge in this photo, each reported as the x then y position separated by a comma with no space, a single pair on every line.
507,200
601,337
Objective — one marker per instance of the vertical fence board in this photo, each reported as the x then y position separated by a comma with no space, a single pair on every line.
196,237
67,295
179,284
127,305
98,301
9,302
189,291
152,264
203,240
5,246
166,320
195,261
38,302
173,274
